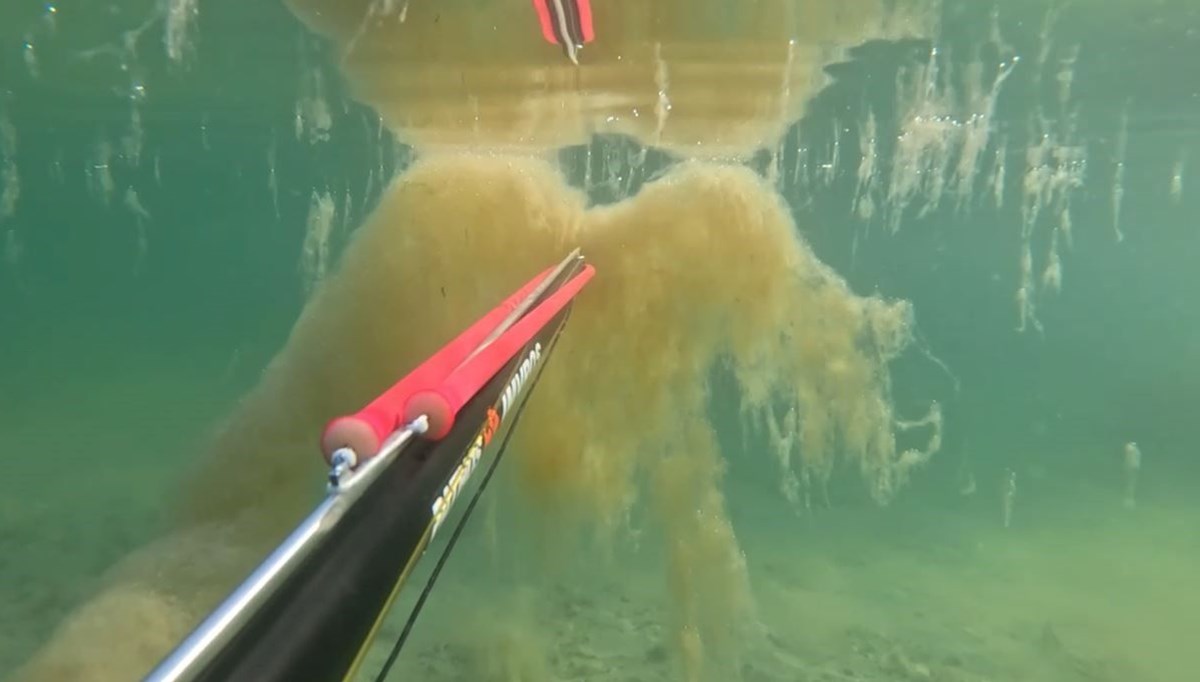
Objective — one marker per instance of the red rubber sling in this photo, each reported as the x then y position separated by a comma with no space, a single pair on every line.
445,381
366,430
442,404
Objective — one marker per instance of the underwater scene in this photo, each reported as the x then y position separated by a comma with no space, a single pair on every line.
889,369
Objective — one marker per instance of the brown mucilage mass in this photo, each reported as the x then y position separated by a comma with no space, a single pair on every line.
703,267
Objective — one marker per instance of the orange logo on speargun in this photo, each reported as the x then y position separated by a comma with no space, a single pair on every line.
491,426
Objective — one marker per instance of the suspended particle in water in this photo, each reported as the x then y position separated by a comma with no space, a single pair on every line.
50,17
971,128
1026,262
204,133
782,434
181,14
56,168
923,148
12,247
1065,226
662,81
998,173
772,170
132,142
975,132
864,201
298,121
98,172
1177,178
1045,46
11,183
1026,311
634,164
1034,182
800,172
1026,306
384,7
13,253
1054,168
1069,169
347,204
1118,187
587,167
314,254
914,458
369,189
272,179
382,145
29,54
137,91
1008,496
831,167
475,113
1066,77
313,116
403,158
377,12
1052,275
134,204
141,218
10,180
996,36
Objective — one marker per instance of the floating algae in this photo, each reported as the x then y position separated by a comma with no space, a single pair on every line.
712,78
702,267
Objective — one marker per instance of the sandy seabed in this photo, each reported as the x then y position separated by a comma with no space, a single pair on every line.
1085,592
1078,590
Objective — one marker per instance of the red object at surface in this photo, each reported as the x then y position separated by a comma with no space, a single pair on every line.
551,30
366,430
